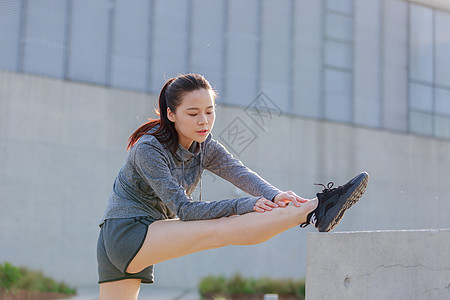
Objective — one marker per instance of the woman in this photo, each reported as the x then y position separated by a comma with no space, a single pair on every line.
164,165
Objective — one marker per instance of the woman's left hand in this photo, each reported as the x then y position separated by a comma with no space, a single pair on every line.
283,199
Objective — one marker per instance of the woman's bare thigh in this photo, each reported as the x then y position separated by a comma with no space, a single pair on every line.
168,239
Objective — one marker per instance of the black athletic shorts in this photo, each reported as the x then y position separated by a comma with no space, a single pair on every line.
118,243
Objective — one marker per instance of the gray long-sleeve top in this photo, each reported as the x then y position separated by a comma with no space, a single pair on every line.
157,183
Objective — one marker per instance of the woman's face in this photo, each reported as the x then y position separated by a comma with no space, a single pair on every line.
194,117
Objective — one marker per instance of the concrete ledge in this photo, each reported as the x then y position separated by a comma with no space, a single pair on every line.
378,265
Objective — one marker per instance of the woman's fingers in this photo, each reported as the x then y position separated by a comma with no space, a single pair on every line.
292,197
263,205
280,200
283,199
298,198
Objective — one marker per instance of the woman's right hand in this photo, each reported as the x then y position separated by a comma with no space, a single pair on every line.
263,205
282,199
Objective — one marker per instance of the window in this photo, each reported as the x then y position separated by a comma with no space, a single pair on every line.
429,71
338,63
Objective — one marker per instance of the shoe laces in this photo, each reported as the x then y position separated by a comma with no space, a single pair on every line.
327,188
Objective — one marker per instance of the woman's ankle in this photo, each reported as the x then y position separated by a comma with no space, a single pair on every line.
304,210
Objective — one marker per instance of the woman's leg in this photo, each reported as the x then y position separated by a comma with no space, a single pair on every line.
174,238
127,289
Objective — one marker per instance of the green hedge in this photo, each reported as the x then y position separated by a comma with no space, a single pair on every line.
220,287
20,278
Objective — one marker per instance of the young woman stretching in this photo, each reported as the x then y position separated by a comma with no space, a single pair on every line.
165,161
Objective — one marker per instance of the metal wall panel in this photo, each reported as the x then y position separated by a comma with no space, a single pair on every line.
10,42
171,41
338,54
207,44
130,45
421,43
442,127
242,50
343,6
275,52
338,96
89,53
338,65
421,97
442,44
421,123
307,58
442,101
44,39
338,26
367,66
395,65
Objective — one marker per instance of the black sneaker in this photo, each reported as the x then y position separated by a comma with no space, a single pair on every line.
333,202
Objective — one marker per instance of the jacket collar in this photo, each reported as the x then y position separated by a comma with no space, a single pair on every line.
183,154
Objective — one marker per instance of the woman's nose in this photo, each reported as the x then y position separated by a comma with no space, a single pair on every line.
202,119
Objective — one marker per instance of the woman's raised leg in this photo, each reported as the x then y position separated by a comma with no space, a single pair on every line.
174,238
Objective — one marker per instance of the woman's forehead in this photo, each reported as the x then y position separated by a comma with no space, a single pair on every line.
197,99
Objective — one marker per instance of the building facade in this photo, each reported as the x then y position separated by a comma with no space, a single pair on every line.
308,91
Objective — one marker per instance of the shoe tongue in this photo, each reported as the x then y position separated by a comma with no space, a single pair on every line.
313,219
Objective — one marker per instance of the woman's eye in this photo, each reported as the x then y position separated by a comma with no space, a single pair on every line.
193,115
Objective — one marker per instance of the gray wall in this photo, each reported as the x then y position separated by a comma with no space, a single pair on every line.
379,265
62,143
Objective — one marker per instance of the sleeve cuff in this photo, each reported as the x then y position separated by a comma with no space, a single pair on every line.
269,195
245,205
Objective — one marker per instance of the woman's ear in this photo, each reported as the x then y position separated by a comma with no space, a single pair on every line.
170,115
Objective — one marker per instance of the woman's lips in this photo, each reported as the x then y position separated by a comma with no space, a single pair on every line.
202,132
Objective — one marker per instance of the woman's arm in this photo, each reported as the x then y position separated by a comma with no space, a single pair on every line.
151,163
220,162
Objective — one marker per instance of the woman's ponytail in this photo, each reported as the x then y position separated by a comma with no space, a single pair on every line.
162,113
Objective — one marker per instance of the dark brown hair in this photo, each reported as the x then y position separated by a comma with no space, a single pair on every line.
170,97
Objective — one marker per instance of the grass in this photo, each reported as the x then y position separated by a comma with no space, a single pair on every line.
20,278
220,287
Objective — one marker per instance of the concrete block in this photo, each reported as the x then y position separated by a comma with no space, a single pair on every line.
412,264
